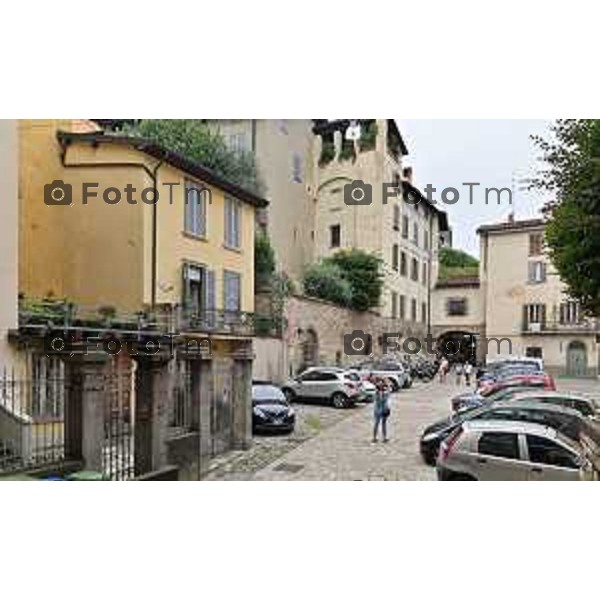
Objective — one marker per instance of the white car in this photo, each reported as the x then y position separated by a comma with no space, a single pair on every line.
386,369
367,390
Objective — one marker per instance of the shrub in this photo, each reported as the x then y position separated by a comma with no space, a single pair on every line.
326,280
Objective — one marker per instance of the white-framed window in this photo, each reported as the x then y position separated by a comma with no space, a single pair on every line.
195,209
537,272
569,313
232,222
535,313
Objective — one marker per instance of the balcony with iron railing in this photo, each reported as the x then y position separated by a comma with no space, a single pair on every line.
40,316
555,326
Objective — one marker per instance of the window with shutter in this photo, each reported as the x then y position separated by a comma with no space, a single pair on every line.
232,223
232,291
195,209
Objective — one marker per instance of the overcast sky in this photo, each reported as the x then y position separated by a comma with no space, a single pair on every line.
492,152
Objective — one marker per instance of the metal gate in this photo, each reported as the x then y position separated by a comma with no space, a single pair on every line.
119,419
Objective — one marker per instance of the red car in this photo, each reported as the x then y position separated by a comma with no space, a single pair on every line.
533,380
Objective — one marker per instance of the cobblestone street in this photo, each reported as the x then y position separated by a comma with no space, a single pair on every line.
331,444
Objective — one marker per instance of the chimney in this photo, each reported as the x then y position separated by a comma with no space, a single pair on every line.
407,174
511,217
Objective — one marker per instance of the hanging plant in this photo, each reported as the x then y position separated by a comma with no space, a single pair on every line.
368,137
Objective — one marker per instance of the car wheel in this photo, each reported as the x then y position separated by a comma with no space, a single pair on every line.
339,400
395,386
290,395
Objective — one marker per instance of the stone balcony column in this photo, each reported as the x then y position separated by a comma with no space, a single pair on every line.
85,407
242,396
153,401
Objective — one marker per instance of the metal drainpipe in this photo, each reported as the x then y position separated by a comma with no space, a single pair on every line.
154,234
429,278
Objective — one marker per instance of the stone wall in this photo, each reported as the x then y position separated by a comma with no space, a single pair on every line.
314,334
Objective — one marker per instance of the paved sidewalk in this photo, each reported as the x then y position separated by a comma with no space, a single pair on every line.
345,451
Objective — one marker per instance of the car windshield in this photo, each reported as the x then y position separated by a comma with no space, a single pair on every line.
352,376
267,394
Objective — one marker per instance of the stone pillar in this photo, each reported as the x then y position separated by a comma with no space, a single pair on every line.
242,397
85,409
153,399
205,409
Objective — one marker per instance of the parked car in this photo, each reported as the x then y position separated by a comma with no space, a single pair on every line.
271,412
584,405
366,388
565,420
323,384
506,371
511,451
469,400
538,379
386,369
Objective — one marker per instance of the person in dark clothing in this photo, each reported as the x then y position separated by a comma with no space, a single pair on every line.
381,410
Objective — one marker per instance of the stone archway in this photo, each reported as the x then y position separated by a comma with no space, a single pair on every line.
458,346
576,359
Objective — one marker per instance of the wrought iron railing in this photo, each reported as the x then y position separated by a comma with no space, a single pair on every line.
168,318
556,326
31,420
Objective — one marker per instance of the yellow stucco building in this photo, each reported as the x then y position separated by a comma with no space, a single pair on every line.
78,242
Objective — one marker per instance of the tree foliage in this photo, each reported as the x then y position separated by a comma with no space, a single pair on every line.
350,278
571,170
451,257
363,271
326,281
197,141
264,260
456,264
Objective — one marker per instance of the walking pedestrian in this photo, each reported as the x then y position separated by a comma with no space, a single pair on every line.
443,369
381,410
468,371
458,370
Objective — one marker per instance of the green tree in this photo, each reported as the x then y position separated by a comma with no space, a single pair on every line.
197,141
264,260
456,263
363,272
326,281
350,278
571,170
452,257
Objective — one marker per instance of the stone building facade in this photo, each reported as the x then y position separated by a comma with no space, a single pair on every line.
526,302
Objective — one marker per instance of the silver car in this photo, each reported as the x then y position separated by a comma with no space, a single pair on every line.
511,451
321,383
